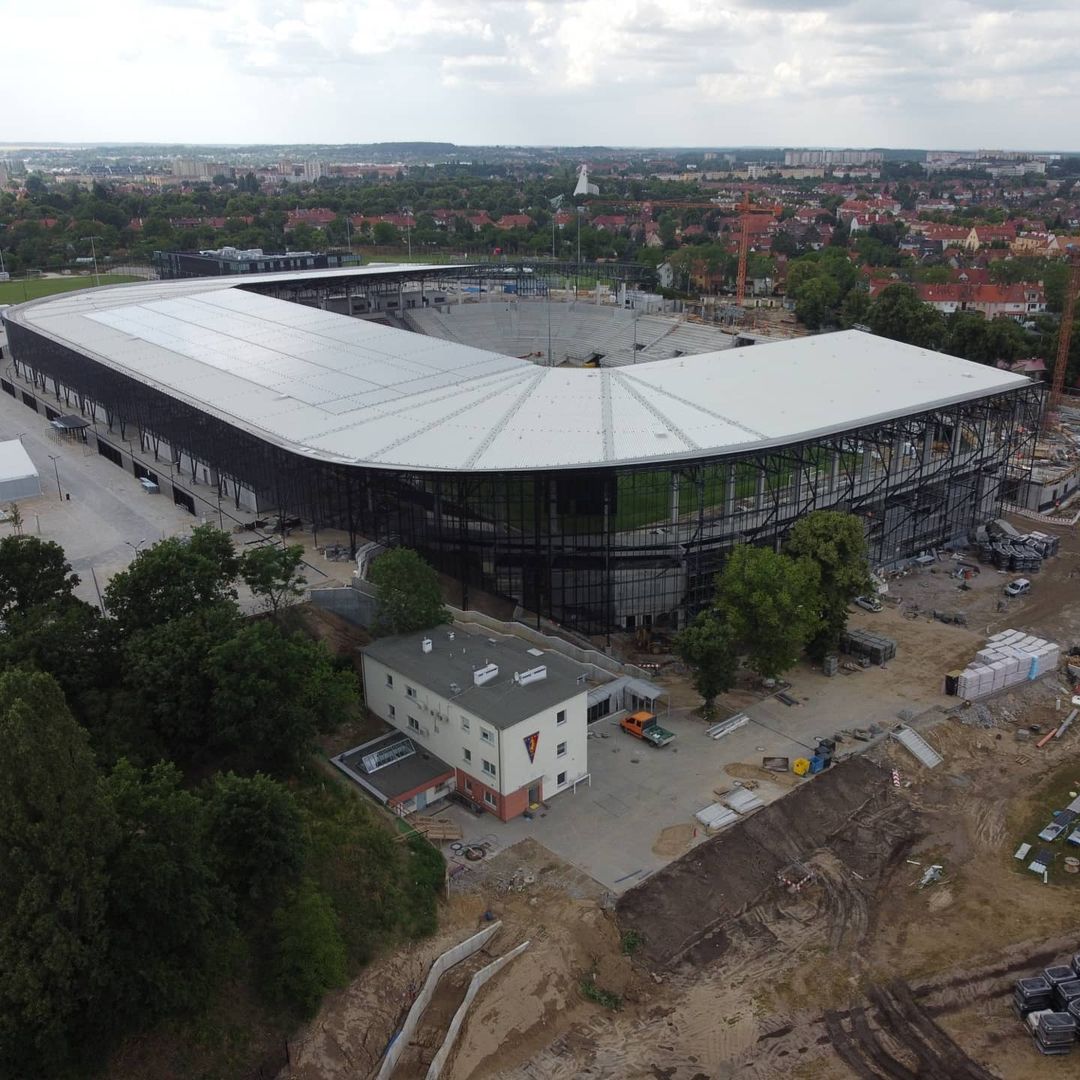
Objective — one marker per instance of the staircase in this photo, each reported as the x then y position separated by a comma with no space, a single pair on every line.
917,745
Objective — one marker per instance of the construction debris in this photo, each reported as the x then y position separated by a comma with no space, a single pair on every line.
931,875
776,764
972,714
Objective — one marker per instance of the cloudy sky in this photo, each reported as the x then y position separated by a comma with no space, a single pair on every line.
928,73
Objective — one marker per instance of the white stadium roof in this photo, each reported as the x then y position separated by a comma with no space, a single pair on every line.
348,390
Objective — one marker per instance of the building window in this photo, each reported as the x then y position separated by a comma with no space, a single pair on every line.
389,679
410,691
560,717
560,750
464,723
393,711
489,798
468,754
486,735
560,779
414,724
468,786
489,768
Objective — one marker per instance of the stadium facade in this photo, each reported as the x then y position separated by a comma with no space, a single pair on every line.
602,499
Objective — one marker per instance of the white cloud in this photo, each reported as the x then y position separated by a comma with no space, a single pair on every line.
689,72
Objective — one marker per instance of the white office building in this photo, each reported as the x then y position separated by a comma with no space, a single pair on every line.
509,719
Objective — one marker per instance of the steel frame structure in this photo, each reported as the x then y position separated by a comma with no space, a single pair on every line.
602,548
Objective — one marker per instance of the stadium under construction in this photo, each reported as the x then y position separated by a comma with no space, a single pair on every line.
603,497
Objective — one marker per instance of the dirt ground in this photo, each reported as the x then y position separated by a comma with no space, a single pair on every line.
860,974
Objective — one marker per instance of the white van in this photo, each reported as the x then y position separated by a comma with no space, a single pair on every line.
1018,587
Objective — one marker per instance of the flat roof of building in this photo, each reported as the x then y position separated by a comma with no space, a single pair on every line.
448,672
419,770
348,390
15,463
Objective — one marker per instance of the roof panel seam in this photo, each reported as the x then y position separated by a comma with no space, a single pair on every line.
645,403
499,426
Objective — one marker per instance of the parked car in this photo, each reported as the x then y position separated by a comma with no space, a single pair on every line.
1018,587
868,603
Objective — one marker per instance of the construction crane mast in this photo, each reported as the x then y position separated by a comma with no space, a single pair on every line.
1068,313
747,208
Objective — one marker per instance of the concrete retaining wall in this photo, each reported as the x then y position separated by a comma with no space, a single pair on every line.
438,1063
441,965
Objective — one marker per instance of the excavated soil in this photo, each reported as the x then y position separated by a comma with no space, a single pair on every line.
683,907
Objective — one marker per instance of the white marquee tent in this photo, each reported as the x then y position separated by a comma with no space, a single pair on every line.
18,475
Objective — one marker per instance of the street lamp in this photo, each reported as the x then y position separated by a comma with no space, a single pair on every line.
408,227
135,547
56,469
93,253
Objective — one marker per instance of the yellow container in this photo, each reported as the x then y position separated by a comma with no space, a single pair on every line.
800,766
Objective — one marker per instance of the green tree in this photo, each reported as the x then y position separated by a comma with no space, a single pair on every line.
384,234
815,301
166,693
174,578
272,692
308,957
167,913
255,835
273,575
707,646
836,543
67,639
898,313
32,572
855,308
56,831
409,598
772,604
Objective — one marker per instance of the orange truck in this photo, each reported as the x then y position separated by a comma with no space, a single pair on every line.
643,725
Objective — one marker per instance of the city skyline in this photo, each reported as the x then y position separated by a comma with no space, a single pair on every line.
546,72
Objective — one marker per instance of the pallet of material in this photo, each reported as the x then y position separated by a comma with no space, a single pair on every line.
435,828
1009,657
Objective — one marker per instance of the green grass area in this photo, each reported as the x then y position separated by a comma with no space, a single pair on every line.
18,292
1053,794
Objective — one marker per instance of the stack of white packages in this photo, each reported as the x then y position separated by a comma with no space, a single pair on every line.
716,816
1010,657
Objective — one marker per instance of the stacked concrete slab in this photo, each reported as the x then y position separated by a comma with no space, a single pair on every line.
1009,657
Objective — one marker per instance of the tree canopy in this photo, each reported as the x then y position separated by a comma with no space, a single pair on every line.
772,603
175,577
836,543
56,832
708,647
138,878
409,597
32,572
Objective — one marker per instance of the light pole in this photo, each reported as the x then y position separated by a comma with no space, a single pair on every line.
135,547
408,229
56,469
93,254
